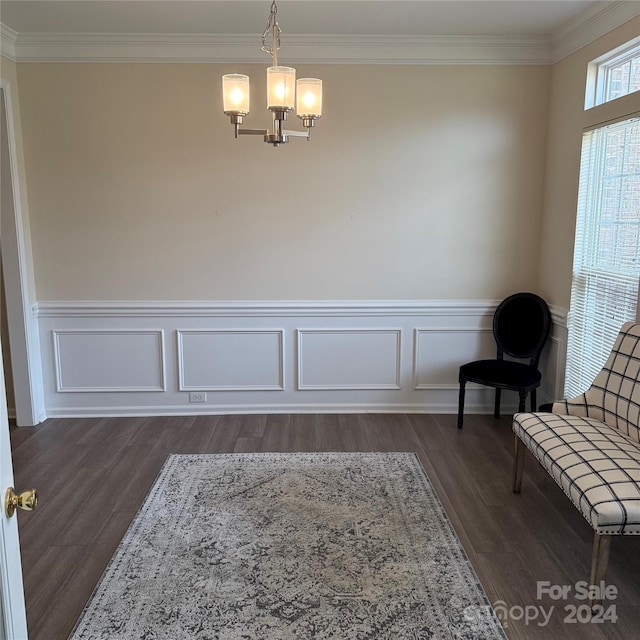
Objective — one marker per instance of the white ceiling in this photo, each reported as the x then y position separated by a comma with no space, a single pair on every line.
327,17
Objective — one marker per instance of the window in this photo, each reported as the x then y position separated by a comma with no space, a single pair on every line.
621,77
606,263
614,75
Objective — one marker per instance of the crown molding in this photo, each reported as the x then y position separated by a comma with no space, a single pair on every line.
320,49
590,25
300,49
8,39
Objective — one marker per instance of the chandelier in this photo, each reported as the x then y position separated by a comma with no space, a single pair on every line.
282,91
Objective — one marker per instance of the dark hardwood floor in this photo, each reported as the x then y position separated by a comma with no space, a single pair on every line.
93,474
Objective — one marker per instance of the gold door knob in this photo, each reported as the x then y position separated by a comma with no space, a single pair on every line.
27,500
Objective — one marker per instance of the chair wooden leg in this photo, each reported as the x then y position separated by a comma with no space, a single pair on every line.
534,401
523,400
461,402
496,409
599,560
518,465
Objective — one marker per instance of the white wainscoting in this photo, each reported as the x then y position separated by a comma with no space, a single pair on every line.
125,358
439,351
239,360
93,361
332,359
553,362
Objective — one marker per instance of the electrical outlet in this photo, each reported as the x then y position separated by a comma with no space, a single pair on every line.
197,396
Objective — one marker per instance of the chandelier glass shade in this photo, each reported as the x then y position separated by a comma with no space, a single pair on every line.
235,91
284,94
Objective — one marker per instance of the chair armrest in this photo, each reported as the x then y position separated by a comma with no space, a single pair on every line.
577,406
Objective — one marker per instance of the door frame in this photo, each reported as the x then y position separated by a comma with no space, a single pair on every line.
24,340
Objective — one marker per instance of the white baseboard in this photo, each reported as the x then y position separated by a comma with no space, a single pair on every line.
268,409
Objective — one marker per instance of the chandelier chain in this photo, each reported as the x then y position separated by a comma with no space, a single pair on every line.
274,28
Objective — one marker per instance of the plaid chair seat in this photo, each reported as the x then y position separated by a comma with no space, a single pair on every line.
597,467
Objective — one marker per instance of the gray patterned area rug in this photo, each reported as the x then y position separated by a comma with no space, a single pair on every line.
270,546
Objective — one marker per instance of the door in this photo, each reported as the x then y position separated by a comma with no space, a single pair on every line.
13,619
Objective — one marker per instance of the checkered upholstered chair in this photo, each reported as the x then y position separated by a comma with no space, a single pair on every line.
590,445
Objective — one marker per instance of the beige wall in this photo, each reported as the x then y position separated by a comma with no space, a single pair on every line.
568,78
422,182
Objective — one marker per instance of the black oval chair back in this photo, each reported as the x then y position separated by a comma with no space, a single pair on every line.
521,326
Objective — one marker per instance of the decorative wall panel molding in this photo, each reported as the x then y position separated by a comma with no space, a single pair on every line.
114,360
320,356
332,359
439,352
240,360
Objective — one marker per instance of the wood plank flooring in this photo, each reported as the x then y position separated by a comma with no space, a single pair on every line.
93,474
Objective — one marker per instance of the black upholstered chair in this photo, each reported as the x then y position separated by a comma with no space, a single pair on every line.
521,326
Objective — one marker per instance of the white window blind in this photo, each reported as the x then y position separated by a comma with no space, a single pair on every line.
606,264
